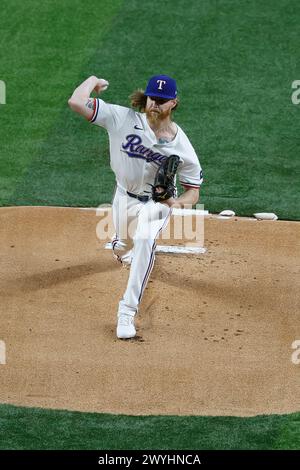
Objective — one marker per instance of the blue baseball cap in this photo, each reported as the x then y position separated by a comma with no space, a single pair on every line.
162,86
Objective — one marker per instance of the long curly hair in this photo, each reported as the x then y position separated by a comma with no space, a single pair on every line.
138,100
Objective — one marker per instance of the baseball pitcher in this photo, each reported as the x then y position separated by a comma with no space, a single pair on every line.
147,149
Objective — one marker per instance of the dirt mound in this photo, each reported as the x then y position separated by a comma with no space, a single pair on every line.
215,330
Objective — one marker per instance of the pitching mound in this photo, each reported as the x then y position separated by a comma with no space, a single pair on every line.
215,330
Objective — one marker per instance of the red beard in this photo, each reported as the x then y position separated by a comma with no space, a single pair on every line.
157,115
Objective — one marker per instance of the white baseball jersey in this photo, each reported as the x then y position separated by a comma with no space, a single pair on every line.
135,153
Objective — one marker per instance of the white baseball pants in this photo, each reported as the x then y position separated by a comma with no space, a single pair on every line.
137,226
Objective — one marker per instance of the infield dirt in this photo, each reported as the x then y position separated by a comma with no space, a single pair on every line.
215,330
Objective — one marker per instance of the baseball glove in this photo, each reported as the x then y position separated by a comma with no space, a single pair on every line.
164,182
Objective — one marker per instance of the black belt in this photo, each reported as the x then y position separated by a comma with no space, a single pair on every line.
140,198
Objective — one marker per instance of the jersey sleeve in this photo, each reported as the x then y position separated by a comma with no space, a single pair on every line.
109,116
190,174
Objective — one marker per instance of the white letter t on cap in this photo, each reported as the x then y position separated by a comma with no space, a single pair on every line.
160,83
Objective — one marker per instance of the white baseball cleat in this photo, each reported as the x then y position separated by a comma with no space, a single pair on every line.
126,259
125,327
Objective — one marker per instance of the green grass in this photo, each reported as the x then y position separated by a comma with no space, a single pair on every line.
234,63
45,48
32,428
